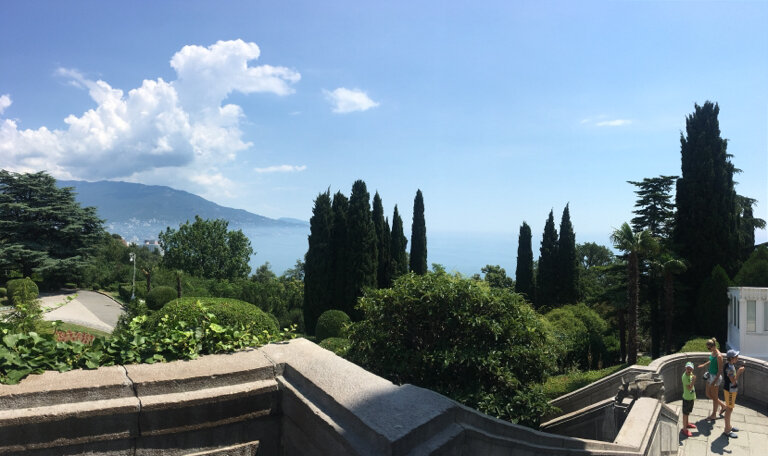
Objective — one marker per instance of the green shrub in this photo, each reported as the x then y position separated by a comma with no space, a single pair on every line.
482,346
95,287
581,332
229,312
3,292
22,289
338,345
160,296
295,317
70,285
124,291
332,323
754,271
558,385
697,344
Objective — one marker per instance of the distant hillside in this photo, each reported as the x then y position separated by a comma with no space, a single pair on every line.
137,211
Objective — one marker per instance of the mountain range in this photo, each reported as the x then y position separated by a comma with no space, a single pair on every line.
138,211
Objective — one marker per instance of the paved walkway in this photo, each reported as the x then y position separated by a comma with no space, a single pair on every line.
708,439
88,308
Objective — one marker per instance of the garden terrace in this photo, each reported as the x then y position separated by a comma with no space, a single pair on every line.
297,398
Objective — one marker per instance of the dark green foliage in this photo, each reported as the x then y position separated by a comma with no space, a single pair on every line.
21,290
524,271
229,312
567,262
383,244
398,250
580,332
654,210
418,258
706,226
362,253
206,248
339,254
332,323
338,345
697,344
3,292
546,278
748,223
712,314
496,277
754,271
482,346
160,296
43,229
591,255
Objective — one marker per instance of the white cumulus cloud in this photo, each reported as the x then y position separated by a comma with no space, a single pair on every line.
5,101
281,169
182,123
349,100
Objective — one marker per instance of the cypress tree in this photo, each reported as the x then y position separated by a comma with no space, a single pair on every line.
567,277
546,278
361,247
524,272
339,252
317,262
384,268
398,243
418,259
705,232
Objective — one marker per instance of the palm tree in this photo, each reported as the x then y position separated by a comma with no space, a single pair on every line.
670,267
633,245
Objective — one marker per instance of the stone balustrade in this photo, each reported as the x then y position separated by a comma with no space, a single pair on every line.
297,398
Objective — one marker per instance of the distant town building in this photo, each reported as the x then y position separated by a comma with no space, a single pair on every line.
152,245
748,321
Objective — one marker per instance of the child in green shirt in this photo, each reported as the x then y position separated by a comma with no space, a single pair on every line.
689,395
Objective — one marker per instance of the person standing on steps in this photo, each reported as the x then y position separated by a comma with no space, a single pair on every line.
689,395
714,377
730,388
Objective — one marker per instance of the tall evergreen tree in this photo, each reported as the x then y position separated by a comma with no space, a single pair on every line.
339,252
418,259
654,209
317,262
747,225
362,251
706,226
567,262
43,229
398,243
546,279
524,272
384,268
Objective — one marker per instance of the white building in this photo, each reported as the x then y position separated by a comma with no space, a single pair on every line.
748,321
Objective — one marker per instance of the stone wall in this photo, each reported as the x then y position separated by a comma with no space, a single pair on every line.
296,398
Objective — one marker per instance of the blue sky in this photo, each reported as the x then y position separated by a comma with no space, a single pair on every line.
498,112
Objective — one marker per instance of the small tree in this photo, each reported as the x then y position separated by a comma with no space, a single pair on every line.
418,258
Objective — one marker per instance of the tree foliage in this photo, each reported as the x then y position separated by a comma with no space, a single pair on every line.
206,248
546,278
318,262
43,230
496,277
399,244
524,270
361,247
567,262
498,349
754,271
383,244
654,209
418,258
712,314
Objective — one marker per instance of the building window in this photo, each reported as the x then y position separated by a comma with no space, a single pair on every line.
751,316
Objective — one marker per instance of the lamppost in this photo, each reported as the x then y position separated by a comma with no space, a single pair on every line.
133,285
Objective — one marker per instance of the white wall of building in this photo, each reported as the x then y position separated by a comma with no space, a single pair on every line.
748,321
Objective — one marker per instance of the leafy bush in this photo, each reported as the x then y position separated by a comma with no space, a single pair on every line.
294,317
95,287
22,290
332,323
160,296
697,344
3,292
482,346
581,333
32,353
229,312
558,385
70,285
338,345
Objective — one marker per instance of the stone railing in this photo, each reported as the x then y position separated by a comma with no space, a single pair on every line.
291,398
